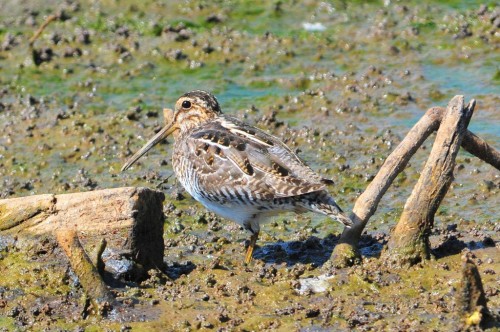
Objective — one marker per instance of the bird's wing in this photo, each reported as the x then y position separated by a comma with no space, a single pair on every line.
251,162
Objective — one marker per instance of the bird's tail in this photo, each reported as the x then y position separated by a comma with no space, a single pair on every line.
322,202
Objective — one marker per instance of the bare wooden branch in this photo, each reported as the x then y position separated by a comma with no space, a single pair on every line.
473,144
88,275
131,219
477,146
346,253
409,241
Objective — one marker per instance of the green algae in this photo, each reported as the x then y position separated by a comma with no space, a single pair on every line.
31,276
7,323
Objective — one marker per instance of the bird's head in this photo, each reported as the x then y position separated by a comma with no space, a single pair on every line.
191,110
194,108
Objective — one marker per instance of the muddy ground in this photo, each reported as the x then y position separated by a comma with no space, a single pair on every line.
340,82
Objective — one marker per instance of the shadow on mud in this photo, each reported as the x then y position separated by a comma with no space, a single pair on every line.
453,245
174,269
314,250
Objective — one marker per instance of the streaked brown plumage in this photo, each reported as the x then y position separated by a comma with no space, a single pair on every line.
237,170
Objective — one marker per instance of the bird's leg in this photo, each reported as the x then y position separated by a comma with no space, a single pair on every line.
253,240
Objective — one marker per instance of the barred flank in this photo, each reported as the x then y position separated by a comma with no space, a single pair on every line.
322,202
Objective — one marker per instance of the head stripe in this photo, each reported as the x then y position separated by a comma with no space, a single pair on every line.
204,98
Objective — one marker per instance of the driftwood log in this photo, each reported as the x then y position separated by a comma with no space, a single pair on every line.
129,219
346,252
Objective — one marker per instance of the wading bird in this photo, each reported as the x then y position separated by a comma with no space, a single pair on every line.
238,171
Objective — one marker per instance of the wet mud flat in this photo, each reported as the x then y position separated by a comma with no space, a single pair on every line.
342,83
207,286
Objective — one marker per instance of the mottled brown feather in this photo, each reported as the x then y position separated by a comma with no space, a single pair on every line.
257,154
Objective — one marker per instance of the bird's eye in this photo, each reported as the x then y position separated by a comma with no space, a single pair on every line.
186,104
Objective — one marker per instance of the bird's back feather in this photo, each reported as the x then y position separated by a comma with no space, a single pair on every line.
230,155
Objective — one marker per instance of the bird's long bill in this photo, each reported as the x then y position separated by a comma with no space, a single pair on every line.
167,130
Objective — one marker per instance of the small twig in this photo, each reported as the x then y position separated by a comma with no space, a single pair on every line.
164,181
38,32
97,256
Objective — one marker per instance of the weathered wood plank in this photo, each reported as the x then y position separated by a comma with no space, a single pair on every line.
130,219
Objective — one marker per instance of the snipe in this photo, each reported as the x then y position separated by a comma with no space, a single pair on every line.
236,170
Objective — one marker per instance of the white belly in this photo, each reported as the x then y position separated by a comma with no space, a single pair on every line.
240,214
244,214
